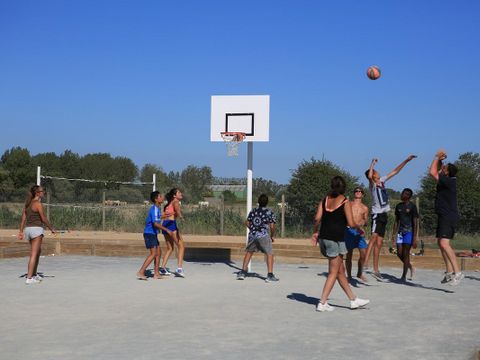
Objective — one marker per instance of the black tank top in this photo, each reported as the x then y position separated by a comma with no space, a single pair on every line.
333,222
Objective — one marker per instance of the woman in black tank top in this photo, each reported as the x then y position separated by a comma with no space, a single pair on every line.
334,214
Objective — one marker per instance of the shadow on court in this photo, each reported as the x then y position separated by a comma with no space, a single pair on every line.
303,298
395,280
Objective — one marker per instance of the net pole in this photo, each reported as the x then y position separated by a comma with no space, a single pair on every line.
249,185
154,180
38,175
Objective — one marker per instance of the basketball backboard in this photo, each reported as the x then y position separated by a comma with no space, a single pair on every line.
248,114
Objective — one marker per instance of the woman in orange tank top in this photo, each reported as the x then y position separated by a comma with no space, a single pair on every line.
31,228
172,234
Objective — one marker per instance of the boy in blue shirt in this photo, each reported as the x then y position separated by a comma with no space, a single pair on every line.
152,225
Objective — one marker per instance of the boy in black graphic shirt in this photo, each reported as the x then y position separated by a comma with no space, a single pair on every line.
406,230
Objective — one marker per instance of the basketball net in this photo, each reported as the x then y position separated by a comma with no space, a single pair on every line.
233,141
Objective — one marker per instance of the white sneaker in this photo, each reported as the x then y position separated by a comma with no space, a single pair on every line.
180,272
355,304
32,281
165,272
37,277
447,278
456,278
324,307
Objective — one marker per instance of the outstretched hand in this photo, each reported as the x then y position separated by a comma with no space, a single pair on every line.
411,157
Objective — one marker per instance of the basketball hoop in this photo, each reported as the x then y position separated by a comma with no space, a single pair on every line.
233,141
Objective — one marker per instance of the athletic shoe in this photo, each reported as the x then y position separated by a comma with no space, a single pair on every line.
180,272
355,304
32,281
377,276
447,278
164,272
241,275
324,307
456,279
271,278
38,277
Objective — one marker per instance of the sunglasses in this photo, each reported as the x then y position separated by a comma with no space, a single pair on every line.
357,190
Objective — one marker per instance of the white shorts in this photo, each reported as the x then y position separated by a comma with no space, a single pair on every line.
31,232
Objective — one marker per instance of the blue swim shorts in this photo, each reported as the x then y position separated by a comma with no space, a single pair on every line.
170,225
151,240
354,240
405,238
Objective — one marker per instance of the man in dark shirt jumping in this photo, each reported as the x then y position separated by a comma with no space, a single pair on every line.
447,212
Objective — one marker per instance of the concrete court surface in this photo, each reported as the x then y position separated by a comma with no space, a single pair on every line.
95,308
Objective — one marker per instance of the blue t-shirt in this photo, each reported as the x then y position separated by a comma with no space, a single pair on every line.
154,216
260,218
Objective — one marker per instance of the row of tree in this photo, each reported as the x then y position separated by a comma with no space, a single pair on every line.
310,181
18,173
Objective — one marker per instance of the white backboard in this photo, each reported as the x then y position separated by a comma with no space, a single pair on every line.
249,114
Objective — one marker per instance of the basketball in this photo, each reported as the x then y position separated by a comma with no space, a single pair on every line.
374,72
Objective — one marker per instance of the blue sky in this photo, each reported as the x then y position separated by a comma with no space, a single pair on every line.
134,78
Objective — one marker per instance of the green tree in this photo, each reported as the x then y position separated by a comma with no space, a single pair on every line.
163,182
229,197
309,184
195,181
268,187
6,184
22,173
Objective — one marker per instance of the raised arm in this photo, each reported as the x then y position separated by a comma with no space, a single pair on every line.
400,167
370,170
436,164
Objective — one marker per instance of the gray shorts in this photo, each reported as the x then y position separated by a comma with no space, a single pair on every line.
263,244
331,249
31,232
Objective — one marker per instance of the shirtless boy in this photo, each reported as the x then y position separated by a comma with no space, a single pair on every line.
354,238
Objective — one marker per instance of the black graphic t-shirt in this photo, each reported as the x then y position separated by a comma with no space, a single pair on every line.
260,219
406,213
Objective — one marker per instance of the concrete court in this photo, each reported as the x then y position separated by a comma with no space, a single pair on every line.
94,308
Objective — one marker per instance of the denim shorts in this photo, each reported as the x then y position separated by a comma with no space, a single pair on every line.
31,232
331,249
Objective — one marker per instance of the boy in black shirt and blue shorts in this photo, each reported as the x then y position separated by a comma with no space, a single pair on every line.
406,230
259,221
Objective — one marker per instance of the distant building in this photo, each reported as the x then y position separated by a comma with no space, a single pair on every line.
240,191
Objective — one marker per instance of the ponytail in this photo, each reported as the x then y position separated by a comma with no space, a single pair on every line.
31,195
